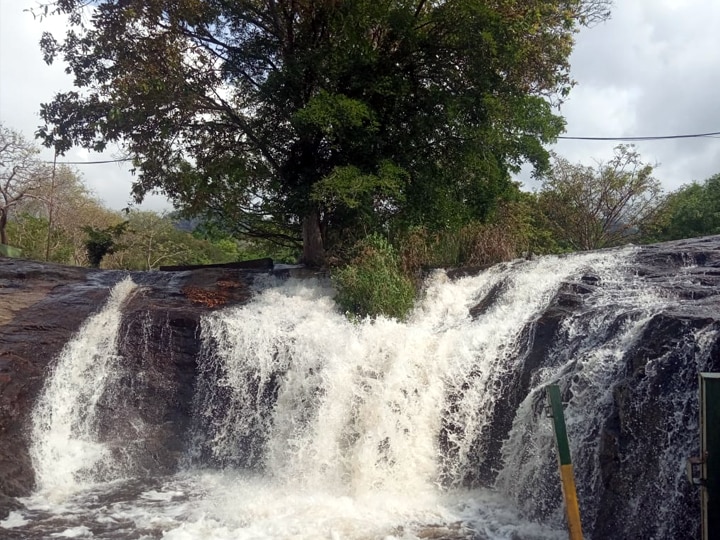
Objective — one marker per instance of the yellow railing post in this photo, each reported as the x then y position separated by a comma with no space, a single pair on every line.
572,508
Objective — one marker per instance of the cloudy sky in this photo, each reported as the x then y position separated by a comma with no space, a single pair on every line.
653,69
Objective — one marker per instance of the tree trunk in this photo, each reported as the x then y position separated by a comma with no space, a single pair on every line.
3,224
313,248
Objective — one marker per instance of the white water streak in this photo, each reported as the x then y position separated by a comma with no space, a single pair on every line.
65,451
357,408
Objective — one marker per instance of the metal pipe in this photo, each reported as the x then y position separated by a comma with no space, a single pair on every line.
572,508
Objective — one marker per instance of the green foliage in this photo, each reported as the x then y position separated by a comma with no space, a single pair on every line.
47,220
243,249
373,283
325,120
30,233
348,187
513,231
691,211
534,233
101,242
591,208
150,240
335,115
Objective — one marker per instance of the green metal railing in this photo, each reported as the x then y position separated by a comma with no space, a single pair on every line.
709,459
567,478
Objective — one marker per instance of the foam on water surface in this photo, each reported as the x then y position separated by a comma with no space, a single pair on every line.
234,506
309,426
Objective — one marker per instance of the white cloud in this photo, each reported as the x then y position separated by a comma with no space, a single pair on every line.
651,70
26,82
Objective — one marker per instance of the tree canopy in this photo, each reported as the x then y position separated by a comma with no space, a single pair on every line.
311,120
602,206
692,210
21,174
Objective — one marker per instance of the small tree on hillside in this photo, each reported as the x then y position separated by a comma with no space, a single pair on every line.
101,242
602,206
21,173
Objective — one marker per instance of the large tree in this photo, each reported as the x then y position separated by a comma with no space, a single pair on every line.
312,119
601,206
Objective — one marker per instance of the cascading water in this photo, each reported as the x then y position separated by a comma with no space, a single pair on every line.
307,425
593,352
292,385
66,449
383,409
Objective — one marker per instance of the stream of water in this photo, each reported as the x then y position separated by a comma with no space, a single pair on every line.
309,426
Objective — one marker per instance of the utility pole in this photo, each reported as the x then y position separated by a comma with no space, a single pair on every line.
51,205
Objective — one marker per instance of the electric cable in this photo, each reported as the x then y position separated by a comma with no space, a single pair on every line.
711,135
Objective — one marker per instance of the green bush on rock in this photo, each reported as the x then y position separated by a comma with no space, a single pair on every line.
373,283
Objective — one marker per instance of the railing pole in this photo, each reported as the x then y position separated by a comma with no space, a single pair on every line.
710,454
572,508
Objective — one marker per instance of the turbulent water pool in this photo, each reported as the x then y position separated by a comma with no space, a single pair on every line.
229,505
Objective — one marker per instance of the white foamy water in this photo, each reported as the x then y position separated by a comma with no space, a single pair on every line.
309,426
66,452
338,411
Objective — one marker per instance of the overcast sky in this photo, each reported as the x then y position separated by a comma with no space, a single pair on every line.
653,69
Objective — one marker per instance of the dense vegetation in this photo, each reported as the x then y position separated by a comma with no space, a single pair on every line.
375,137
53,217
317,123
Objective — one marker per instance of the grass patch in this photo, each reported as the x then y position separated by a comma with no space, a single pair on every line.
373,283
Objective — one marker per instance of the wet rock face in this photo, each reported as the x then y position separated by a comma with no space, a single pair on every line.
654,412
159,347
42,306
149,410
656,399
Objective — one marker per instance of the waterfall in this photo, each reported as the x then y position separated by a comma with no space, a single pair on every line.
586,359
290,387
66,449
595,355
296,422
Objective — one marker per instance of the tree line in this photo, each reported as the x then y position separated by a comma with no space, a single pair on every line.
51,215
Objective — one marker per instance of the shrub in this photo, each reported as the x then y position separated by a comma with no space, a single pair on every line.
373,283
515,229
101,242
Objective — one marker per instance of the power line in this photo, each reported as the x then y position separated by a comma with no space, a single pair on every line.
712,135
648,138
91,162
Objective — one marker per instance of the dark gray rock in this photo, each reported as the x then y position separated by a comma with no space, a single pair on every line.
43,305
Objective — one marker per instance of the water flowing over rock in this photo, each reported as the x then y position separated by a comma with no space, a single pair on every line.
43,305
260,379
